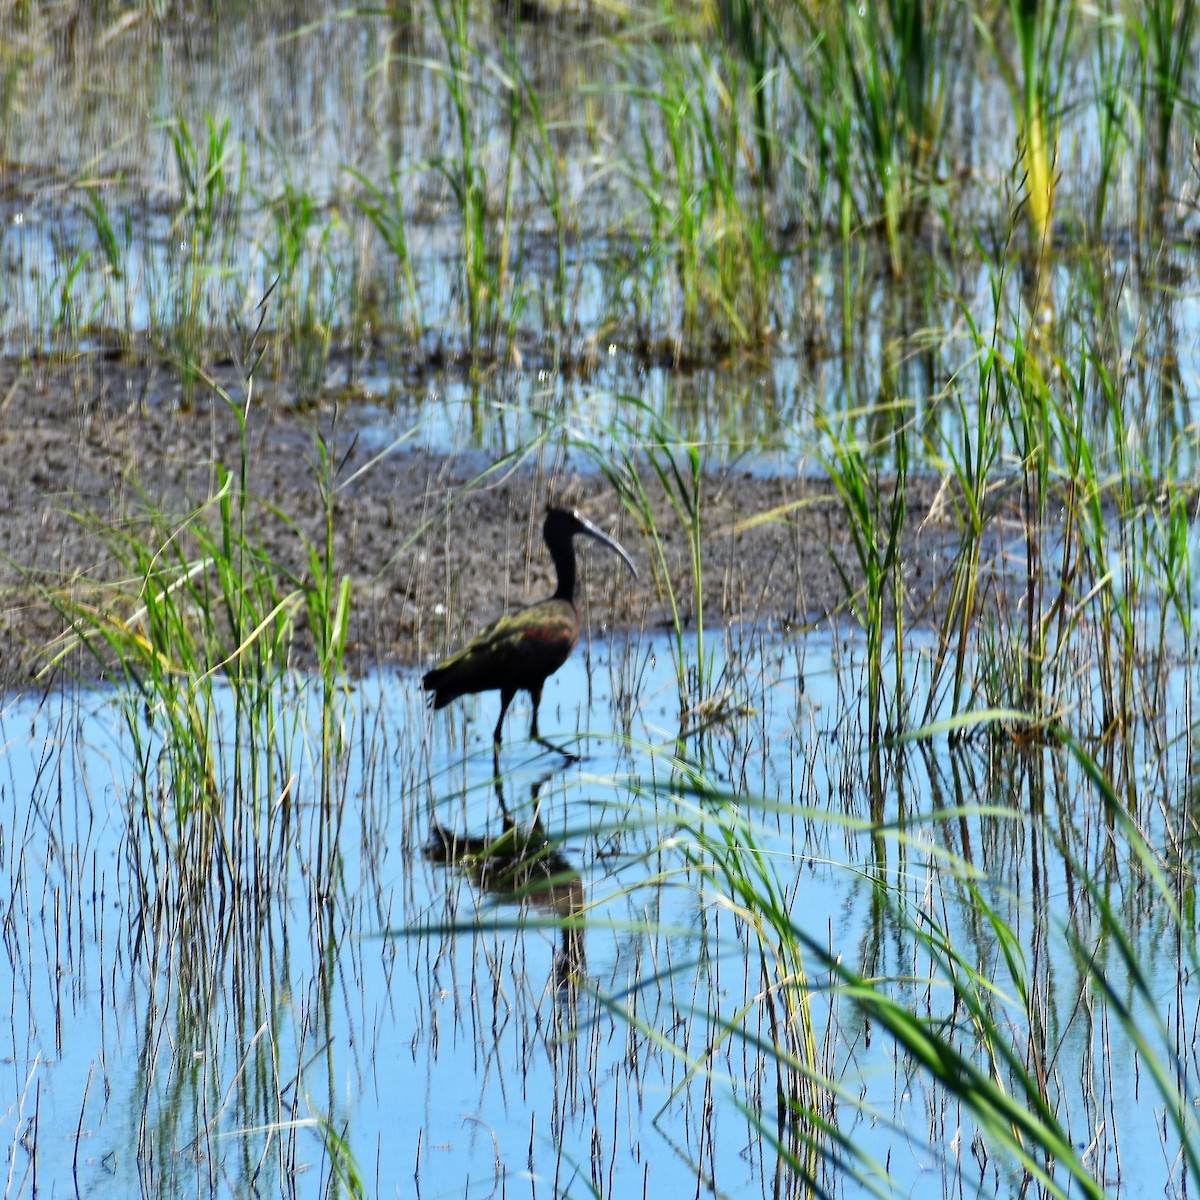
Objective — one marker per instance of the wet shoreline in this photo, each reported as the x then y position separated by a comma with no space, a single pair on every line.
98,450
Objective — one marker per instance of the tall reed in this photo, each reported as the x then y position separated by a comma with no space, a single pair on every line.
876,512
1043,31
464,171
211,179
649,446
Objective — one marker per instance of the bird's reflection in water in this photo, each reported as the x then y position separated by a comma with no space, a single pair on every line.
522,865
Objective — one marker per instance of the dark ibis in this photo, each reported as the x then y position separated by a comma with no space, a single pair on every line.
521,651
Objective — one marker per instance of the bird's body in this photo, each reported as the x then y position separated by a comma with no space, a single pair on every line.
522,650
516,653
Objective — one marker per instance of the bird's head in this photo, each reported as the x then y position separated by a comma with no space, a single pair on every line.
562,524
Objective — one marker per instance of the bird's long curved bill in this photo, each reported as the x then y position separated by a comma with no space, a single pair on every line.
585,526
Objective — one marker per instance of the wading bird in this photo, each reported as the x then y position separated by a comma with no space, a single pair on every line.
522,650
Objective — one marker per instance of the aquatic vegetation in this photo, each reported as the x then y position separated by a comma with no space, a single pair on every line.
211,178
714,157
384,208
297,261
876,513
1043,33
1164,39
201,617
872,868
1112,100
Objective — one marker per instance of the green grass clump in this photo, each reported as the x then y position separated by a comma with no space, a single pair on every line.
706,217
1042,32
883,108
211,178
302,275
200,627
876,512
1165,44
662,455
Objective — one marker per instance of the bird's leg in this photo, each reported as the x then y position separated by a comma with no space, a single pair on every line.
506,698
500,793
537,737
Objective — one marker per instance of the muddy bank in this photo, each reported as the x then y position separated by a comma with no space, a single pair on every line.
91,450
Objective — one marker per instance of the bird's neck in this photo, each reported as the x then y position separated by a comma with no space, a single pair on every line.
564,564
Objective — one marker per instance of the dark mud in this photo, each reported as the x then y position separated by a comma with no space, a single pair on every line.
91,450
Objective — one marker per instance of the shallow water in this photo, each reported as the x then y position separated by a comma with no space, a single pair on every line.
460,1040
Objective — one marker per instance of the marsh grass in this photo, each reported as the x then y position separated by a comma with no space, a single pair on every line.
704,206
1164,40
383,206
465,172
678,124
1042,33
239,756
199,622
646,445
1113,99
544,163
302,273
177,655
970,465
211,176
884,109
1068,606
115,250
876,512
